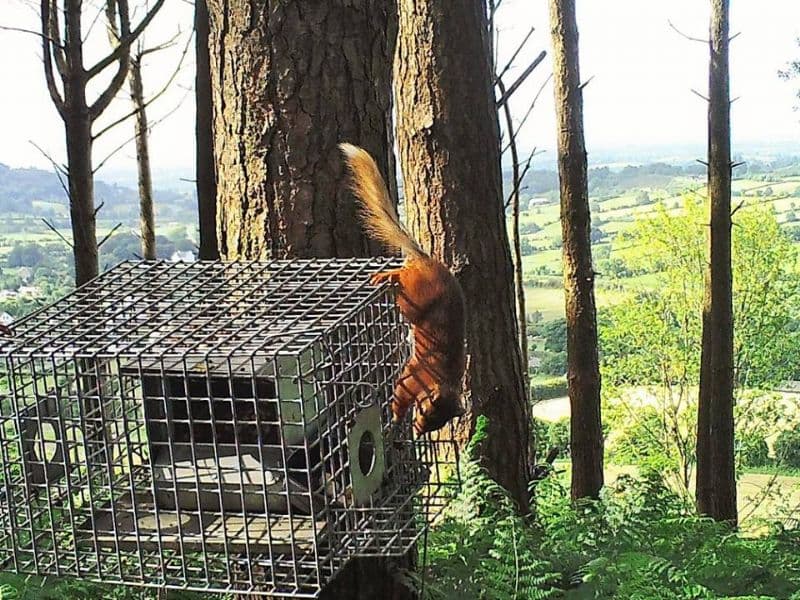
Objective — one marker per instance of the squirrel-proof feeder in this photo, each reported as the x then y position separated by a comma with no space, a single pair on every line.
210,426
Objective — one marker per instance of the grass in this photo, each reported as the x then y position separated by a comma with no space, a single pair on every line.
550,301
618,215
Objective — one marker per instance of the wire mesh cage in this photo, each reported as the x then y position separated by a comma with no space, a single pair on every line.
214,427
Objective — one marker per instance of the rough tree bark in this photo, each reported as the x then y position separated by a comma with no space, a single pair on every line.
289,82
146,213
583,371
448,136
205,167
63,55
716,478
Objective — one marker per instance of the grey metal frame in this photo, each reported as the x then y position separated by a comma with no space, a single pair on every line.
213,426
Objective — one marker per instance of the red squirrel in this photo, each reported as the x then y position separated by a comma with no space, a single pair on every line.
428,296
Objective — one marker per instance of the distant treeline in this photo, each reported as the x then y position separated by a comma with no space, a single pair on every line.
21,188
613,181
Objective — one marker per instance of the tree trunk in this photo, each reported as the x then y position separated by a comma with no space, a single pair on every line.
146,219
448,136
716,479
78,130
289,82
516,243
204,158
583,371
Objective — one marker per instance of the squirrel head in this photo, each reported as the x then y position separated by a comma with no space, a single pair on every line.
437,409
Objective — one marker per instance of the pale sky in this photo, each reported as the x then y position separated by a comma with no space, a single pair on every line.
642,73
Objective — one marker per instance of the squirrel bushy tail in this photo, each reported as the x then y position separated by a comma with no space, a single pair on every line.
378,214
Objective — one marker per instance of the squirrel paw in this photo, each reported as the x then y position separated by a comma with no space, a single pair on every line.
385,276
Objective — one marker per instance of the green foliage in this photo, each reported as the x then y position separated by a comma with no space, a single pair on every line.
25,255
639,541
752,450
655,337
549,434
552,363
555,335
482,548
787,448
553,387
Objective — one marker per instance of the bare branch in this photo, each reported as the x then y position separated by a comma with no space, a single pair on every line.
585,83
688,37
38,34
696,93
521,79
61,51
114,9
163,46
59,169
511,60
734,36
156,96
130,139
57,232
737,164
127,37
109,234
738,207
99,206
523,172
100,10
47,60
530,109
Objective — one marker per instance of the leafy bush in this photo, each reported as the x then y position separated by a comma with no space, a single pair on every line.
752,450
639,541
552,363
549,434
638,440
555,387
787,448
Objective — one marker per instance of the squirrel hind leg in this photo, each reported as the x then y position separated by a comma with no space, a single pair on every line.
405,392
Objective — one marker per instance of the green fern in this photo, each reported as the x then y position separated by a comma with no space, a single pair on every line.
639,541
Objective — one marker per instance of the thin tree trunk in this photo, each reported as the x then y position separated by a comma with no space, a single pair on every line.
448,135
146,218
78,129
205,167
81,192
716,478
62,56
583,371
516,242
291,80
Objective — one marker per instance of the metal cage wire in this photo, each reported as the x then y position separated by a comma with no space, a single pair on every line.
213,426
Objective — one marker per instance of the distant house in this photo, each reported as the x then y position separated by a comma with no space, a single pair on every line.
533,202
29,290
6,319
8,295
25,274
182,256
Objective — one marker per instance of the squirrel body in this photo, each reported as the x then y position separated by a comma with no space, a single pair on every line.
428,296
